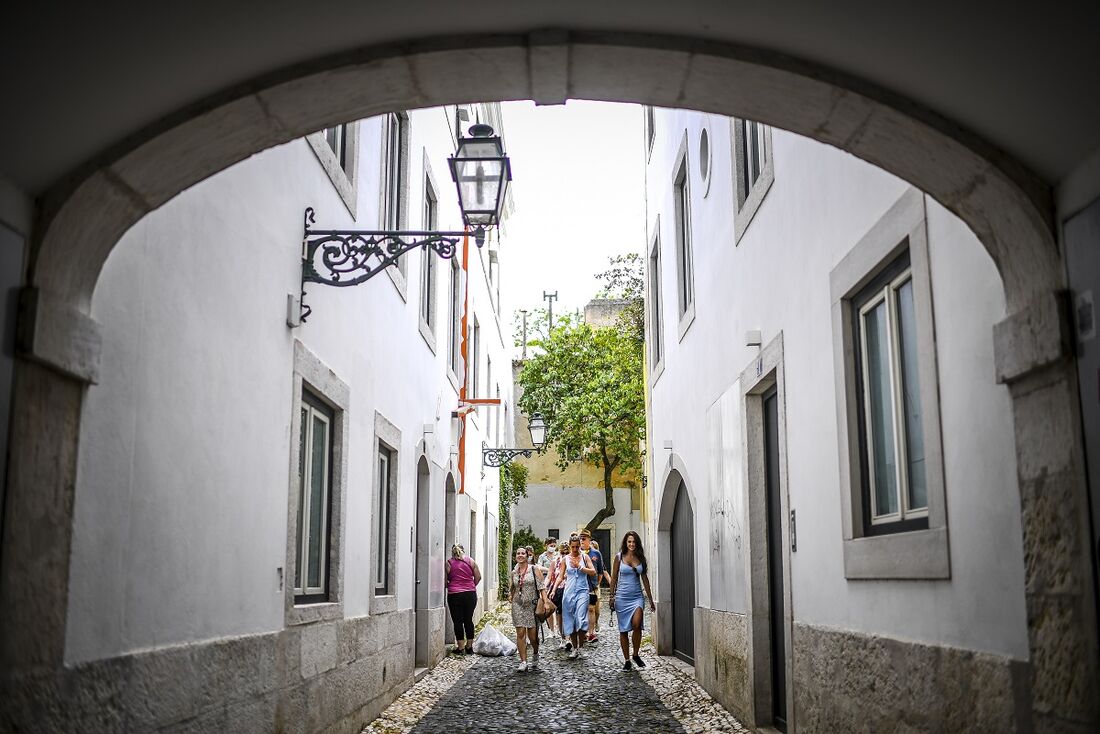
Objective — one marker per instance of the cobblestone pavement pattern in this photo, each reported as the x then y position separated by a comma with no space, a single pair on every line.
593,694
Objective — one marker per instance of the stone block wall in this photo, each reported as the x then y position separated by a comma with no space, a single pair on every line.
722,659
326,677
852,682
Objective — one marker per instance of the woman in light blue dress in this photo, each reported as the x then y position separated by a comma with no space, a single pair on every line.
628,577
575,566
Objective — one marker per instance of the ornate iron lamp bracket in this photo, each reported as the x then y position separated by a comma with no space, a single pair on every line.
500,457
344,258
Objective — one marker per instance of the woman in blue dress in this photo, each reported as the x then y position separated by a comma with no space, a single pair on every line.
628,577
574,567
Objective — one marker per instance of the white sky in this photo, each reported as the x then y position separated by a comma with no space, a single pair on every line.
579,192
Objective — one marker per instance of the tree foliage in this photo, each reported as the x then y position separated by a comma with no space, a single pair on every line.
588,385
625,280
513,488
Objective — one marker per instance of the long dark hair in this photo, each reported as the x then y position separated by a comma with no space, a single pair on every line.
639,552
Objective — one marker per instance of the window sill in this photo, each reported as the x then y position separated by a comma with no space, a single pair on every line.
453,379
383,604
301,614
656,372
427,333
399,281
921,554
755,198
687,318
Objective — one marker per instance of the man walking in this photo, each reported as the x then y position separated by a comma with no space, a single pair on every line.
593,584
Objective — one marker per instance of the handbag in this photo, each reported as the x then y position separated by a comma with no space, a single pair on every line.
544,607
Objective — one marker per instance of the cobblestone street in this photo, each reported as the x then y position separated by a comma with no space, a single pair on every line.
592,694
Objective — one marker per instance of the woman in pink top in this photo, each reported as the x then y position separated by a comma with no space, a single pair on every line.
462,576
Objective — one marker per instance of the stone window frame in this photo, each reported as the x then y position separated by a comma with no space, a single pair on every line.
649,122
916,554
388,435
429,261
310,373
345,179
398,275
748,199
685,261
655,311
455,292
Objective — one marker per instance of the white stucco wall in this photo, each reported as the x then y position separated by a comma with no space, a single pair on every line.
777,279
184,469
569,509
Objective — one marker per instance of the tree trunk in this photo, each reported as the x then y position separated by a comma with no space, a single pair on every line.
608,495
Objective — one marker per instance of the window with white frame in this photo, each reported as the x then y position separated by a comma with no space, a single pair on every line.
395,131
428,264
314,500
894,516
655,330
383,519
337,139
685,279
891,434
754,171
455,318
475,358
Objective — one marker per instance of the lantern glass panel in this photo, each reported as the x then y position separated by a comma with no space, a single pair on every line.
479,183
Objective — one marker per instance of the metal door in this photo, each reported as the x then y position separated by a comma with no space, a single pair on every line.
1082,240
603,537
422,567
775,562
683,578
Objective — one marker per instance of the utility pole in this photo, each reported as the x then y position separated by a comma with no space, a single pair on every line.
550,298
524,312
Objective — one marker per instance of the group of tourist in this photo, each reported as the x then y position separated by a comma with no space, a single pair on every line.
567,581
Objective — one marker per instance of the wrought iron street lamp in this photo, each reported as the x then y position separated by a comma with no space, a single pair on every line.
481,171
500,457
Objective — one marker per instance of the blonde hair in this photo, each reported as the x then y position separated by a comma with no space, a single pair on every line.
457,551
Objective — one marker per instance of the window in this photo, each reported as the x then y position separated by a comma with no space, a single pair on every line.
473,533
317,470
655,330
337,139
314,500
650,128
428,264
383,520
488,387
685,278
891,433
475,356
553,533
455,320
887,402
395,134
337,150
754,171
499,422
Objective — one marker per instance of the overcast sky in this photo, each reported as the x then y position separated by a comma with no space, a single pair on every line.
579,192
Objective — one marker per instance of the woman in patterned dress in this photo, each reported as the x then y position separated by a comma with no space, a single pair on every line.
527,587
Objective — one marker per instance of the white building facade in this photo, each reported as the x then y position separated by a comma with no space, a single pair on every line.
831,458
273,504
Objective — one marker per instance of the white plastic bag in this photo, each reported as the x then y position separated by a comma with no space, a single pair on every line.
492,642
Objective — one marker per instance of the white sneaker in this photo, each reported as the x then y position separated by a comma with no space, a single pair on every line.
534,664
561,645
573,654
522,668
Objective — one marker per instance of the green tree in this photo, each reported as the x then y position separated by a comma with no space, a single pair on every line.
513,487
625,280
588,385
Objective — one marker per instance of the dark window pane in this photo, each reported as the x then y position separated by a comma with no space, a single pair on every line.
303,431
317,501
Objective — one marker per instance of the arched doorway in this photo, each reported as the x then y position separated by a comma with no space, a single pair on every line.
683,577
448,541
83,218
423,562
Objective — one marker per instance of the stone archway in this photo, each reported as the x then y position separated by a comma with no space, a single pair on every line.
1007,207
674,482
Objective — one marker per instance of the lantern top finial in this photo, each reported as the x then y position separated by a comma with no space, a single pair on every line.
481,130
